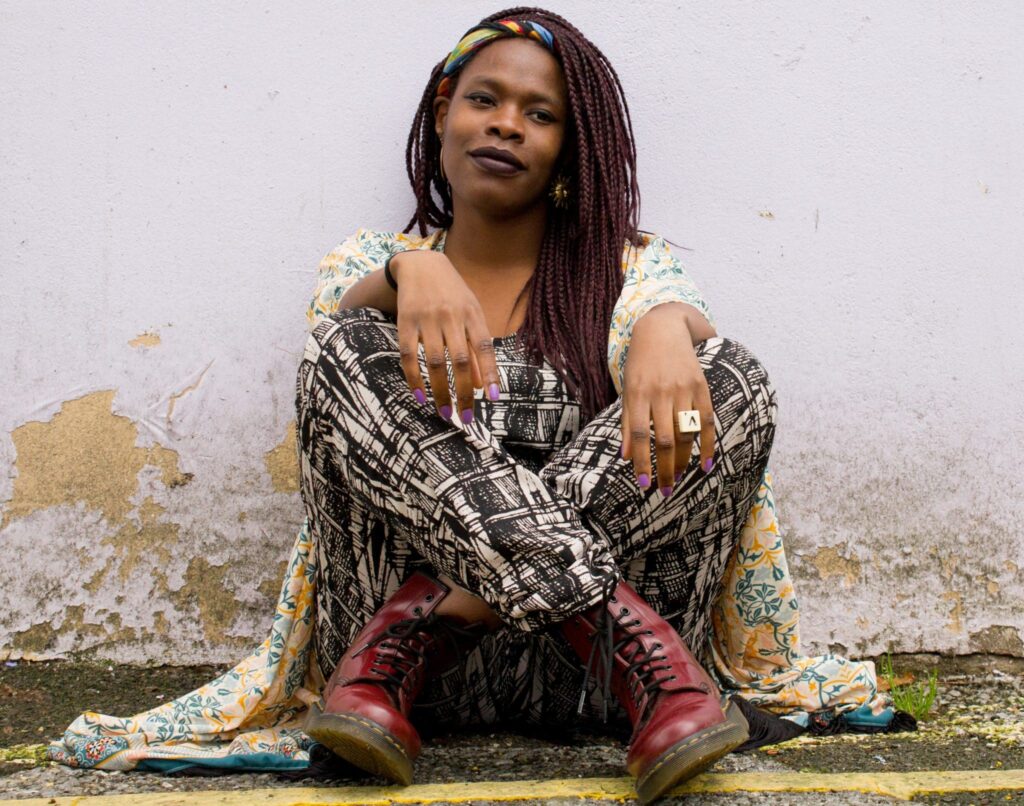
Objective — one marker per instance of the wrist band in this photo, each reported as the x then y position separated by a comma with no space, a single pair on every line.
387,273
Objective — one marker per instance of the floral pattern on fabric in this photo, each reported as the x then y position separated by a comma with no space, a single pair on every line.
254,711
255,708
755,642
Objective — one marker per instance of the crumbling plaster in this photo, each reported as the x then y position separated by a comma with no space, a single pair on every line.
844,185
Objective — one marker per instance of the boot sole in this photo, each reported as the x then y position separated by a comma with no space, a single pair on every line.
361,742
693,755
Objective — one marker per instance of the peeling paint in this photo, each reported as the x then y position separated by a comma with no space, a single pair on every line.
948,564
999,639
176,396
205,590
830,563
85,453
271,586
956,613
149,538
991,586
146,339
283,463
39,639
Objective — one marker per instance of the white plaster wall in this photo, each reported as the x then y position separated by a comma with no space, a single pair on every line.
847,179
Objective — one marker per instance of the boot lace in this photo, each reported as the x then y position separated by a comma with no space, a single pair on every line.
404,647
618,634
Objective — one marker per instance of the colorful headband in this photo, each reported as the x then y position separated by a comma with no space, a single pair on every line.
477,37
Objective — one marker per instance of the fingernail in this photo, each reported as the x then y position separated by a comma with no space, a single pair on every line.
493,392
446,412
419,395
665,491
679,476
644,481
467,415
707,465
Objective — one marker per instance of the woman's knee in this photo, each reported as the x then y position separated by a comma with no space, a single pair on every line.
356,331
738,380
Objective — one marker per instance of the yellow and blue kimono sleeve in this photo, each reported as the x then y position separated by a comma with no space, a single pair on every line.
350,261
652,275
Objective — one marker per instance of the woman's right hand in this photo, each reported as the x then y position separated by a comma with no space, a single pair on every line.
437,308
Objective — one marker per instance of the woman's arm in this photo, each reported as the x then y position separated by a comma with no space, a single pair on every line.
658,319
653,276
357,262
372,291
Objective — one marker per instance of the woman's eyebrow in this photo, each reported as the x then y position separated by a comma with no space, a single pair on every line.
498,86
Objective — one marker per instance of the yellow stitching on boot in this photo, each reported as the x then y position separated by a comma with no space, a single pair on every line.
692,740
376,729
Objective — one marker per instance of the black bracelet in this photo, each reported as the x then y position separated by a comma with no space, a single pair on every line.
388,275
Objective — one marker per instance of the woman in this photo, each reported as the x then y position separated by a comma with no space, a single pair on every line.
502,555
521,510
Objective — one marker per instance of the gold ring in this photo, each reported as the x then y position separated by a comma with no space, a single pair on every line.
689,422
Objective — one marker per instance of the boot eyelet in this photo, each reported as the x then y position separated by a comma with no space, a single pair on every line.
613,600
657,645
648,632
417,610
625,611
429,597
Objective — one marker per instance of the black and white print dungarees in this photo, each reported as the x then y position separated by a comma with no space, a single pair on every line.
525,506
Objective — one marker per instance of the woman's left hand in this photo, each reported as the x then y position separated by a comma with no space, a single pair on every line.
662,378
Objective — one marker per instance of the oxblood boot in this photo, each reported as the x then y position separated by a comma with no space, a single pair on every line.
681,724
366,702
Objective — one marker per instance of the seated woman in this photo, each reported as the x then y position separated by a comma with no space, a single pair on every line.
546,545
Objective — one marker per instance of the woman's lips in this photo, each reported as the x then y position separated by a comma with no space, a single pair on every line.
496,166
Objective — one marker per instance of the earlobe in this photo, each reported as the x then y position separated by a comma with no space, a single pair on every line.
440,114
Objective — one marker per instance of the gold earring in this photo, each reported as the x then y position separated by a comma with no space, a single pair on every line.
560,192
440,160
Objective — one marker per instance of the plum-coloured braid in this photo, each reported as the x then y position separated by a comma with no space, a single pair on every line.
578,276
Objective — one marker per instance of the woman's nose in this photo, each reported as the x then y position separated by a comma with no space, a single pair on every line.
505,123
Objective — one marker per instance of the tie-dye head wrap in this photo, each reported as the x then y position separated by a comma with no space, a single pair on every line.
480,35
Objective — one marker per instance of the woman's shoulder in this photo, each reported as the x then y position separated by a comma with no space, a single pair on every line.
374,246
647,247
370,238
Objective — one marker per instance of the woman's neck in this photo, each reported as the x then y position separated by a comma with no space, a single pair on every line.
478,245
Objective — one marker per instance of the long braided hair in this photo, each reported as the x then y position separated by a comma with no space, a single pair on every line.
578,277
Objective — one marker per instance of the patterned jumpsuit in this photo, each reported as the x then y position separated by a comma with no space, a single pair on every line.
526,506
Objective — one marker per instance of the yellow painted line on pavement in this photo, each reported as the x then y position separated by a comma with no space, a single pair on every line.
901,785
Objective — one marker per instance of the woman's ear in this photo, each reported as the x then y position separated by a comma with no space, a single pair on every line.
441,106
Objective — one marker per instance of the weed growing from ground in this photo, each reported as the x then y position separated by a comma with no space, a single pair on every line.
915,698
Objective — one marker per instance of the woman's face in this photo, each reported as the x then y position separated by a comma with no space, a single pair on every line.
511,97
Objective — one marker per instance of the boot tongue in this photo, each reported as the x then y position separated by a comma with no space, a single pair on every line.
398,653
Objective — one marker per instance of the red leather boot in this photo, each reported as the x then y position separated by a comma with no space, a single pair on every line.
366,702
681,725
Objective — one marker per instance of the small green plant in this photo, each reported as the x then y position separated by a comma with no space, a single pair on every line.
914,698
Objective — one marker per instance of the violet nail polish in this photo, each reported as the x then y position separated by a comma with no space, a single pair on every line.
665,491
419,395
679,477
644,481
493,392
467,415
446,412
707,465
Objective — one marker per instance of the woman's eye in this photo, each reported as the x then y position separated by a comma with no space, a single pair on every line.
545,117
479,98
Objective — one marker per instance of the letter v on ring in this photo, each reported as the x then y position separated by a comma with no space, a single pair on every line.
689,421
